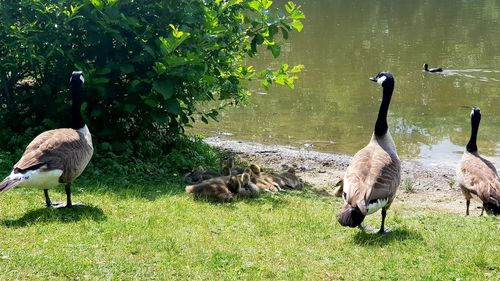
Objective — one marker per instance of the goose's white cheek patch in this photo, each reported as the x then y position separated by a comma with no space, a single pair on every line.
381,79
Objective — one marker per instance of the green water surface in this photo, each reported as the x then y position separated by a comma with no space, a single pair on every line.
334,106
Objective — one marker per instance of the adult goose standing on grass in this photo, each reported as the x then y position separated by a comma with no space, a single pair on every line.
373,176
477,177
57,156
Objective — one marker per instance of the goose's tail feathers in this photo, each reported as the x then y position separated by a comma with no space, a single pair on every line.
9,183
190,188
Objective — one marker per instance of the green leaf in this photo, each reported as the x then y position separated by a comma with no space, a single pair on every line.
297,15
159,117
164,87
176,32
96,113
129,107
149,51
103,71
284,31
273,29
96,3
173,106
100,80
255,5
128,68
267,4
297,25
297,68
275,50
152,103
106,146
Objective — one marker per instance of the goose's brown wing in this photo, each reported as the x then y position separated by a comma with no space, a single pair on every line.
373,174
64,149
478,176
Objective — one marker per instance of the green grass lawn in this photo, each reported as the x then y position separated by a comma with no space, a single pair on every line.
156,231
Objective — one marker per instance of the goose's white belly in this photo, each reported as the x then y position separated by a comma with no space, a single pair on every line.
380,203
37,179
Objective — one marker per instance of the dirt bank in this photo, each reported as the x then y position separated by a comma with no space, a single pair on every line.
422,187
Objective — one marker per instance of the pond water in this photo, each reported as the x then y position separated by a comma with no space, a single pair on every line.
334,106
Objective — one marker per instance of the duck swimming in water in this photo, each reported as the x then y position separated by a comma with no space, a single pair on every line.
426,68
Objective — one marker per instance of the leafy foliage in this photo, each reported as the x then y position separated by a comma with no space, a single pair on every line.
149,65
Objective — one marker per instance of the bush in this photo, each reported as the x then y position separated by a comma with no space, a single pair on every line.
148,65
120,169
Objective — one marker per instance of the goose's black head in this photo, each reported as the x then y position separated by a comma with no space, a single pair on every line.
76,80
475,115
426,67
384,78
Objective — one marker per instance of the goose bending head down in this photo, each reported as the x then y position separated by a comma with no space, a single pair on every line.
373,176
477,177
57,156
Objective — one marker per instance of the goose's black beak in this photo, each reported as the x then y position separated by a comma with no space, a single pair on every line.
374,79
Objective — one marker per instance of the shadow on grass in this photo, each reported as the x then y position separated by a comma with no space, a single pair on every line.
44,215
274,200
377,240
149,190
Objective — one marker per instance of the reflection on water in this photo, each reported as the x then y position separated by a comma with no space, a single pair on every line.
445,153
484,75
344,42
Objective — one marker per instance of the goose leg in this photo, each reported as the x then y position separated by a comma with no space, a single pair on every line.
68,195
70,204
482,210
382,229
48,203
467,203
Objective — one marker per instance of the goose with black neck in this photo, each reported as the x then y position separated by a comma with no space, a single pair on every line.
56,156
373,176
478,177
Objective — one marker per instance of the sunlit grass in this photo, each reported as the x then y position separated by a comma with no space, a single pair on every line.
158,231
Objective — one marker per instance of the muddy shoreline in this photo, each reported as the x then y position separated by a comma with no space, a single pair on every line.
422,187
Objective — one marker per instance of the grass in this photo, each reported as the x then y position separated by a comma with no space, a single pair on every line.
156,231
408,185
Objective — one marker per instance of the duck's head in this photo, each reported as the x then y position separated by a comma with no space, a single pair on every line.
76,80
384,78
475,115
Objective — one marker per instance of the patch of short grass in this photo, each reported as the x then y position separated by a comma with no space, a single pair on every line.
408,185
156,231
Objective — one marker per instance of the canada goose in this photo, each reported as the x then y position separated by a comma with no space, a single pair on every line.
248,188
339,188
216,189
230,169
57,156
263,180
373,176
476,175
426,68
288,179
199,174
